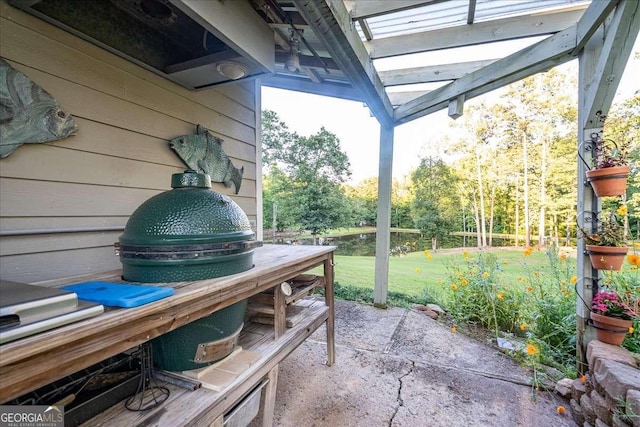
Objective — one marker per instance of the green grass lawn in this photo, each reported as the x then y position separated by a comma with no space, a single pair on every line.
411,273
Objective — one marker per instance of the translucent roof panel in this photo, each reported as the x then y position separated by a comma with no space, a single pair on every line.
442,14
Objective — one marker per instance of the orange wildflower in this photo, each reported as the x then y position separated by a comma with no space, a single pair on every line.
583,379
454,287
633,259
523,326
561,410
531,349
454,329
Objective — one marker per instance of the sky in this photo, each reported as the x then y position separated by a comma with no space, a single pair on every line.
359,132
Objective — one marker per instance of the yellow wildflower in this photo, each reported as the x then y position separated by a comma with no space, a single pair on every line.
633,259
429,257
454,329
454,287
500,296
563,282
465,253
535,273
439,281
523,326
485,274
518,279
622,210
464,282
528,251
417,270
466,259
529,288
631,329
573,280
531,349
425,252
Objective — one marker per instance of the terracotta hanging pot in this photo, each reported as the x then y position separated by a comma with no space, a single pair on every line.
610,330
606,257
609,181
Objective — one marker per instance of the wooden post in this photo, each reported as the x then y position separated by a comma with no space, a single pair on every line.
270,397
384,217
280,312
329,300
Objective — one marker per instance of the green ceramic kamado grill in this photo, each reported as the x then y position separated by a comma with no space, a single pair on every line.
190,233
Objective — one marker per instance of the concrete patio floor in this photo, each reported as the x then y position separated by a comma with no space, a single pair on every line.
398,367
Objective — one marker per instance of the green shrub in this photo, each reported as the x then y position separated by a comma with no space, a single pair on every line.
537,306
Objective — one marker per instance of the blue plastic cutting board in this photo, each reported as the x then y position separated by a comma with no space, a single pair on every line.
118,294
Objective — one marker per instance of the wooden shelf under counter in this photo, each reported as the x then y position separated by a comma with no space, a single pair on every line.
35,361
204,407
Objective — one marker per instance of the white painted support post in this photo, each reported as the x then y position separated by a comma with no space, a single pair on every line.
600,71
384,217
587,202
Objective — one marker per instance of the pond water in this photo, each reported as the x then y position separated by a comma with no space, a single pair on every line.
364,244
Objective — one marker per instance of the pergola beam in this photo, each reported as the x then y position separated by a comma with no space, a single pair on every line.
478,33
471,14
299,84
593,17
369,8
621,34
526,62
399,98
433,73
331,22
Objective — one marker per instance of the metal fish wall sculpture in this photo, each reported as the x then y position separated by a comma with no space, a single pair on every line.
203,152
28,113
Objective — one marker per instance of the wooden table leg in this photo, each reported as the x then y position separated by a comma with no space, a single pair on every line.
329,300
270,397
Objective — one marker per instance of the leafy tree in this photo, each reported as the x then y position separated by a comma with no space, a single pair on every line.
364,199
434,205
311,197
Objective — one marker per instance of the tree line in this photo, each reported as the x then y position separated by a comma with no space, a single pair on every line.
512,170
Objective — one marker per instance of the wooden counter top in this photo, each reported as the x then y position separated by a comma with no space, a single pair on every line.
32,362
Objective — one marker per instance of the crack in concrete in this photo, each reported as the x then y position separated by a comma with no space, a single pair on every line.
399,396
